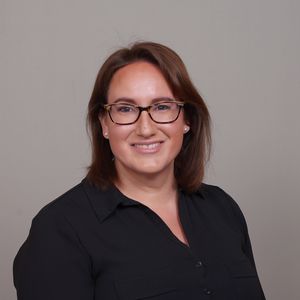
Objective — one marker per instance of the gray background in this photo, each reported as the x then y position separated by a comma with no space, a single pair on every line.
242,55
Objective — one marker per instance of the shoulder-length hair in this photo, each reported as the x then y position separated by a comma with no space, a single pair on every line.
191,160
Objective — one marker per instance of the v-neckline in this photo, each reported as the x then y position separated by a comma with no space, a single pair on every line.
169,233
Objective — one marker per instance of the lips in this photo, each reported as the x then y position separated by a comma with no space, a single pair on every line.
149,147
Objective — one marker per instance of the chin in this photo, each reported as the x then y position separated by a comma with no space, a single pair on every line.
145,167
153,169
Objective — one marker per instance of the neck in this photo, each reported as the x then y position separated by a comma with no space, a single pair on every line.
149,189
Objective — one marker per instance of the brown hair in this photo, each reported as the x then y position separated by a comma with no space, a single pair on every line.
190,162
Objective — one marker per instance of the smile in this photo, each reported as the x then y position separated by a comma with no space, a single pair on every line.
147,147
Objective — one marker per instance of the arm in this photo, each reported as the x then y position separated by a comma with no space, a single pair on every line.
242,226
52,264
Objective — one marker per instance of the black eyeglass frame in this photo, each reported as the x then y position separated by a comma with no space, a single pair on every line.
107,107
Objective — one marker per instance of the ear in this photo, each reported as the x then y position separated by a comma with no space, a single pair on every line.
103,121
187,124
186,128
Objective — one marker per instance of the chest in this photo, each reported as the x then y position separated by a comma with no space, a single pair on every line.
138,254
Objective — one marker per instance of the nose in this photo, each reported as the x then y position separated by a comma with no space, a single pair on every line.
145,126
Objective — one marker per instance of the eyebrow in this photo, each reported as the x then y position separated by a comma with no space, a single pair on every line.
132,101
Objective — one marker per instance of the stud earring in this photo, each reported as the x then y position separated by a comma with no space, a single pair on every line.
186,129
105,135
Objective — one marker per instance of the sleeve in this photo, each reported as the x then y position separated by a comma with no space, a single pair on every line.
52,264
242,225
247,248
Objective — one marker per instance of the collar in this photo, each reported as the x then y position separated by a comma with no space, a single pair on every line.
105,202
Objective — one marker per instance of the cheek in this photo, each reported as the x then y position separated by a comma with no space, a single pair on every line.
176,129
117,136
175,133
178,140
119,132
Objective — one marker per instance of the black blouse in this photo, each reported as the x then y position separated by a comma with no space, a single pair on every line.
92,244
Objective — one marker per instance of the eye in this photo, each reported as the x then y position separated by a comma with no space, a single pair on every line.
163,106
124,108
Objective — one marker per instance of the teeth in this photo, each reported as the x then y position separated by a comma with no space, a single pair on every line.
146,146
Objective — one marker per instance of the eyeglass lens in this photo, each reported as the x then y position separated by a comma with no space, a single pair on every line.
162,112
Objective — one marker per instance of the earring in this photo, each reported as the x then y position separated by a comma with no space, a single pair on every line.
186,129
105,135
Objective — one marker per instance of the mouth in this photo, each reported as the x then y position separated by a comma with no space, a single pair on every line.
147,147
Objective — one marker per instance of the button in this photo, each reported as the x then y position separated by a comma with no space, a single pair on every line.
199,264
206,291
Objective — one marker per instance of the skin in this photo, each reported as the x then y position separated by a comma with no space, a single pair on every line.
146,173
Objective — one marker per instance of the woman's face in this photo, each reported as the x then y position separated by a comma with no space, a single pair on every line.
145,147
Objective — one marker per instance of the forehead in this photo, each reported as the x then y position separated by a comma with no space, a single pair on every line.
140,82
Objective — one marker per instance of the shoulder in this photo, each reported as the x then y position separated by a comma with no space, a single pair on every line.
217,199
55,243
65,203
82,207
212,191
61,222
71,208
216,195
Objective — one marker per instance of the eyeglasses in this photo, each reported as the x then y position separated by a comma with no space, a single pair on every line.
162,112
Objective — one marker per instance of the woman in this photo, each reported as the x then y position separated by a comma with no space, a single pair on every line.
141,225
